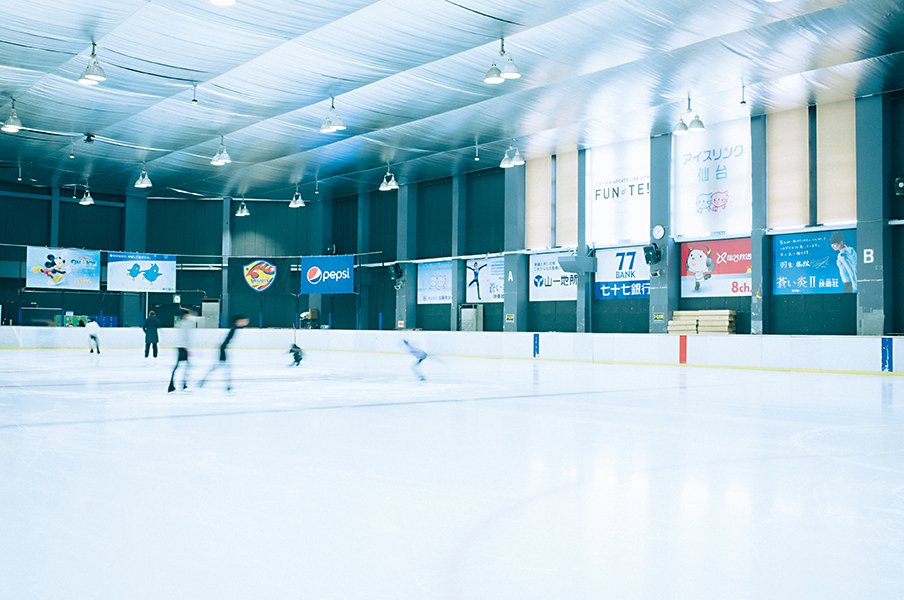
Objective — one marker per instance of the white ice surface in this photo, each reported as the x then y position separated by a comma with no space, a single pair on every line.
348,479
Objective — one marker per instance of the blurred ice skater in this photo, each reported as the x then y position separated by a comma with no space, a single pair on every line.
186,324
420,355
93,331
238,321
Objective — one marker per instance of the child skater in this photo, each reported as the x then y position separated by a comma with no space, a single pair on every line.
297,354
419,354
238,321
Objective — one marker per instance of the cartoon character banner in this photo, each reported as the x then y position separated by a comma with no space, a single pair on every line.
821,262
132,272
485,280
62,268
619,192
711,180
328,274
621,273
434,282
548,281
716,268
259,274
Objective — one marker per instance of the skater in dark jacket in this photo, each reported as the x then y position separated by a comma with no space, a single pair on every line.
151,338
238,321
297,354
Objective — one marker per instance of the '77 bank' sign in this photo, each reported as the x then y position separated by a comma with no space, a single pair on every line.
328,274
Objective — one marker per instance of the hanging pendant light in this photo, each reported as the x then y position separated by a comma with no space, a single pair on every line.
495,75
93,73
143,181
221,157
194,94
686,124
243,210
86,200
332,122
506,162
389,183
12,123
297,201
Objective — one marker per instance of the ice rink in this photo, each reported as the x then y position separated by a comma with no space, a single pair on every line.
347,478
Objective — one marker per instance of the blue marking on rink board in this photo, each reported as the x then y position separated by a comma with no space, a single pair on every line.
536,345
888,364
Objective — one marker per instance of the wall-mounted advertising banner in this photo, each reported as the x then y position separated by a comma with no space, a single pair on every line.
548,281
62,268
711,180
819,262
485,280
259,275
328,274
716,268
134,272
621,273
619,192
434,282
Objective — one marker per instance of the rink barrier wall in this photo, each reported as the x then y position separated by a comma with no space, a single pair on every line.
830,354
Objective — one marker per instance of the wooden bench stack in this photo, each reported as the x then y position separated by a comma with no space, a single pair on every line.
687,322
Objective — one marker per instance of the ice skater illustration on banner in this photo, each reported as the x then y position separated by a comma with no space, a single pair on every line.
846,261
54,267
475,279
420,355
700,263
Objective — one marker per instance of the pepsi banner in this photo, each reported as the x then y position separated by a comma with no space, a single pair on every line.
328,274
133,272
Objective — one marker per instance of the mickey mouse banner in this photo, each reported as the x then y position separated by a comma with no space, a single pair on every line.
62,268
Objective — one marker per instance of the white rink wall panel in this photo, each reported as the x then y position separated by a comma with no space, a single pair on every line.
823,353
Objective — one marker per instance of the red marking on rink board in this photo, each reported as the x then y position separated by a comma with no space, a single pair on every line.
682,349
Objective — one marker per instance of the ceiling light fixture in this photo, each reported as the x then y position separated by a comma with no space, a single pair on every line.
317,186
72,149
12,123
243,210
93,73
333,122
495,75
86,200
686,124
476,152
194,94
143,181
221,157
297,201
19,178
389,182
743,94
512,157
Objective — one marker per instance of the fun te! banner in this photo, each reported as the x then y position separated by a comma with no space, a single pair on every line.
328,274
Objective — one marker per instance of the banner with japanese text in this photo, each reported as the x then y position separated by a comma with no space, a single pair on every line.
711,181
485,280
62,268
619,192
136,272
716,268
621,273
548,281
819,262
434,282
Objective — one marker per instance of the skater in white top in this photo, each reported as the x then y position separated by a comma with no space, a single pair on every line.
186,325
93,331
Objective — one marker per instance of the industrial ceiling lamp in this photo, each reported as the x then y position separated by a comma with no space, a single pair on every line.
506,162
476,152
86,200
512,157
221,157
143,181
686,124
12,123
389,182
93,73
495,75
333,122
317,187
297,201
243,210
194,94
